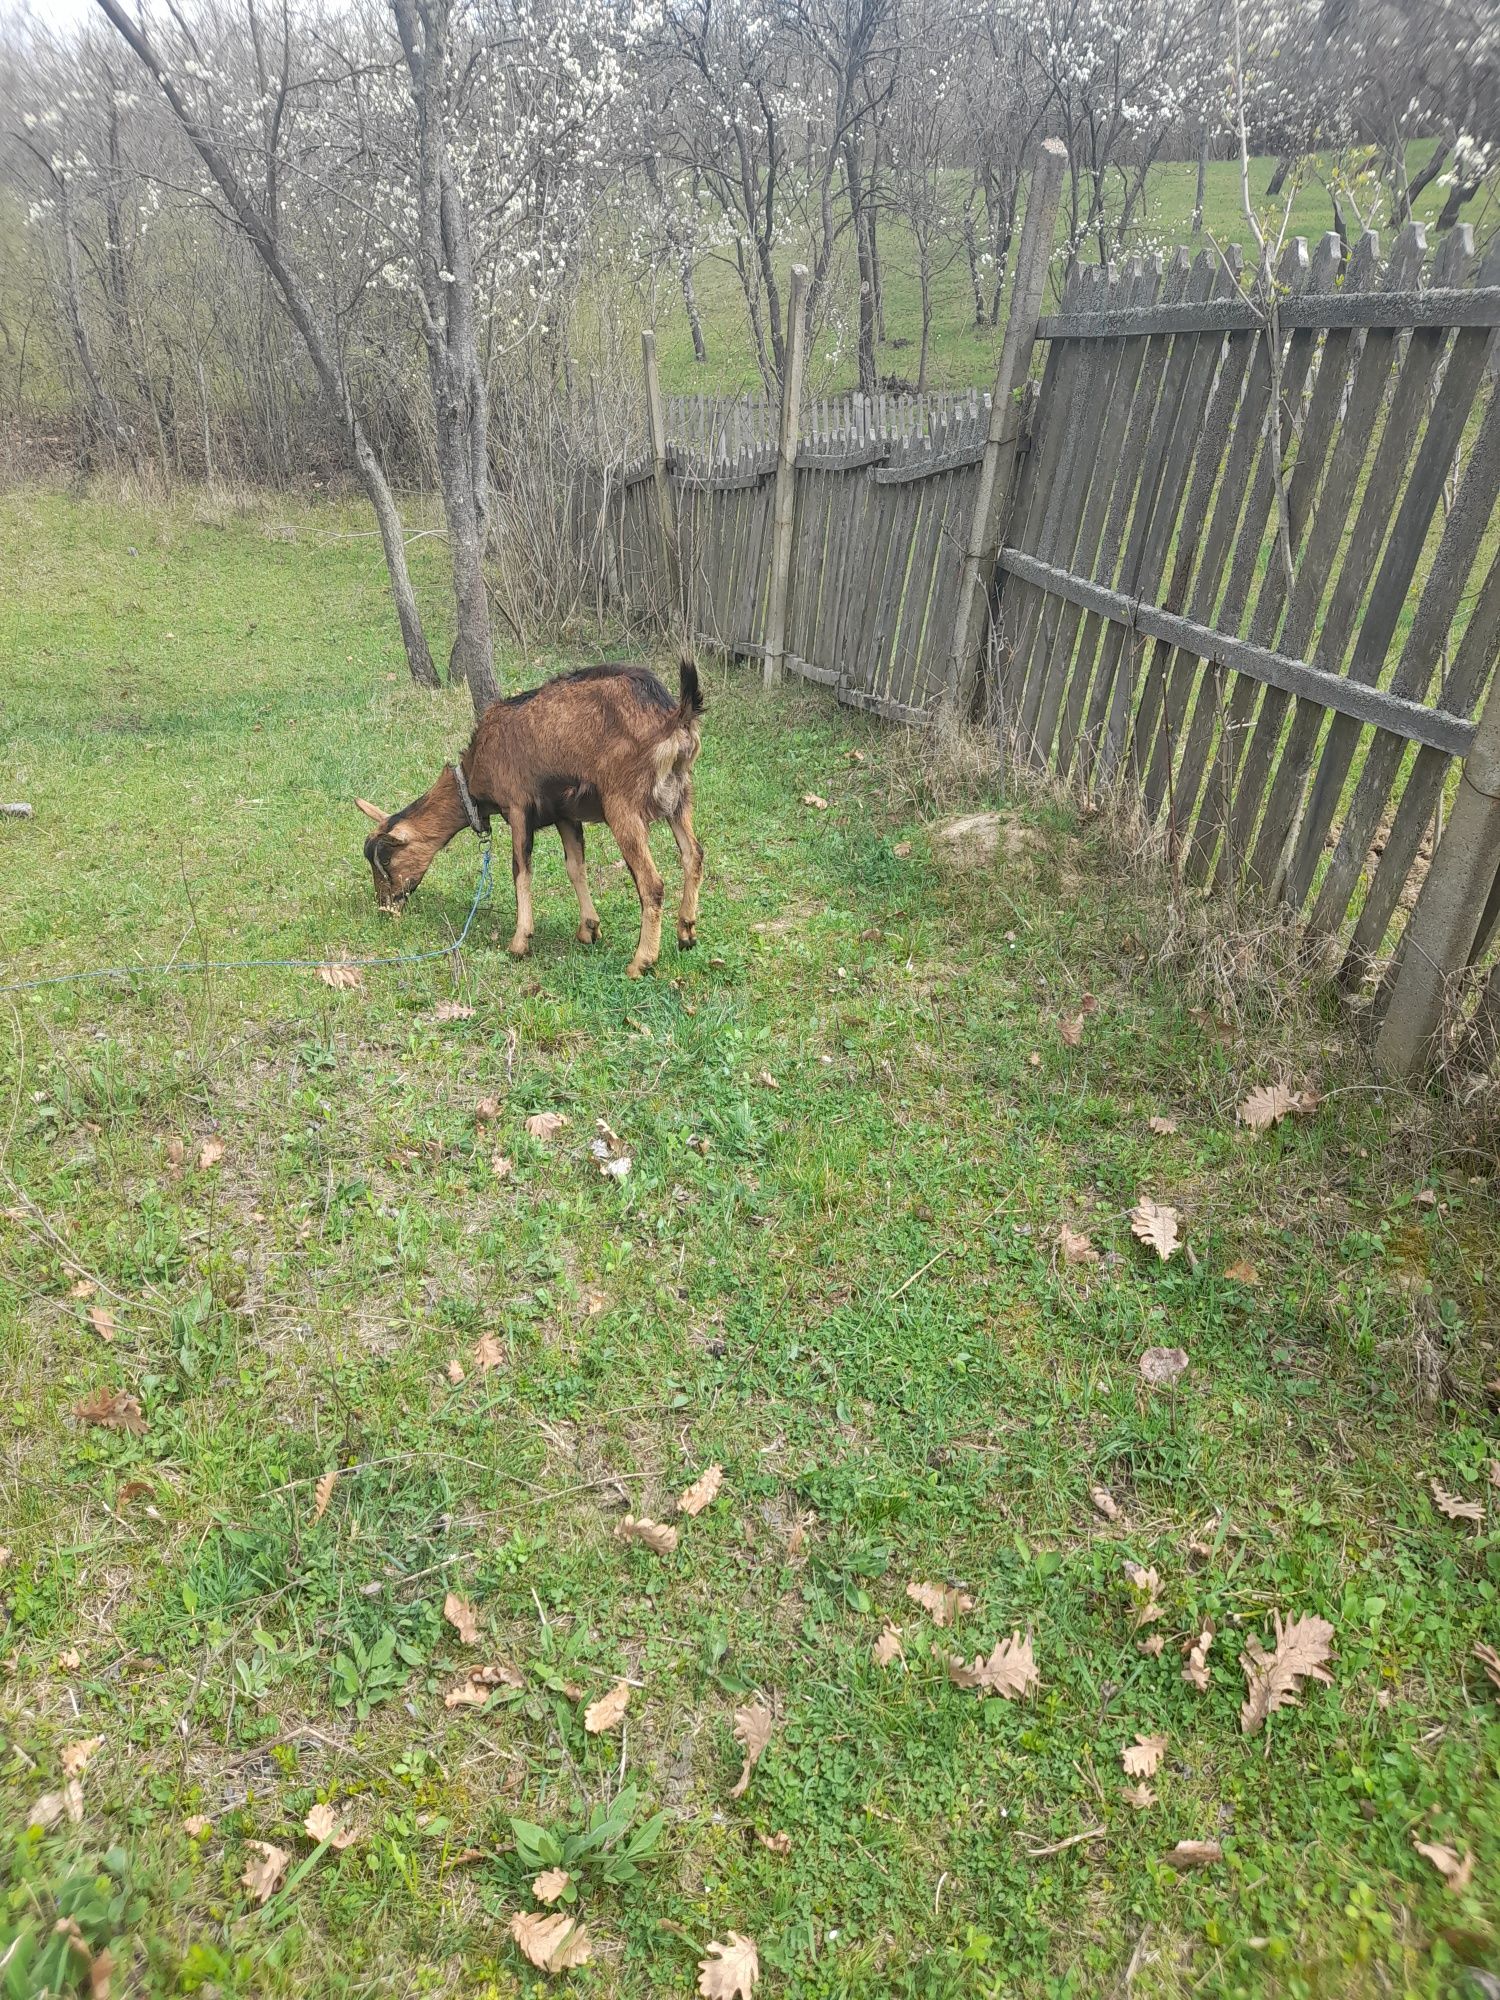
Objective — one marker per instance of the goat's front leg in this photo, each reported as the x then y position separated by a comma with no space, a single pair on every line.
588,916
520,868
691,850
630,832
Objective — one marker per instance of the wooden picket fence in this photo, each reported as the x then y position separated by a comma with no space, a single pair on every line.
1241,556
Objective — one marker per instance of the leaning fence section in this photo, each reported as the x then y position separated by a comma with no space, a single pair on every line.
1247,562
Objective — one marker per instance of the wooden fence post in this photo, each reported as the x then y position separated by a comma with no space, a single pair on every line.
997,468
1445,925
786,479
656,424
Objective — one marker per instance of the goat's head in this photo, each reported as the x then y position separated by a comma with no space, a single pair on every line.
397,855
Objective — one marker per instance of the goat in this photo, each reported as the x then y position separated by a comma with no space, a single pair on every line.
605,743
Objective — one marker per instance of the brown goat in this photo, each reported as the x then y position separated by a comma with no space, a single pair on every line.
606,743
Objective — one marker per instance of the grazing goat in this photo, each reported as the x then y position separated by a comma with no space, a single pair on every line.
606,743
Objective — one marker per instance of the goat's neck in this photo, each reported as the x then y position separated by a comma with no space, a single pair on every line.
434,819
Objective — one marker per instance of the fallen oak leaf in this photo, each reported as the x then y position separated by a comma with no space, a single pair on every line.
486,1111
1274,1679
455,1371
608,1712
1156,1225
262,1877
1010,1671
703,1491
1138,1796
657,1536
1161,1366
488,1354
1153,1646
197,1827
1104,1502
554,1944
452,1010
1455,1508
1070,1029
323,1493
888,1646
1195,1663
1265,1107
1243,1272
1489,1659
942,1602
342,978
76,1756
1076,1246
1142,1759
775,1843
102,1321
1162,1127
113,1410
322,1824
544,1126
53,1806
549,1885
731,1970
752,1731
1194,1854
210,1153
82,1288
460,1615
1458,1874
466,1694
817,803
501,1166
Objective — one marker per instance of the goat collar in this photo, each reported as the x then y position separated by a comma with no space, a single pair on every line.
471,811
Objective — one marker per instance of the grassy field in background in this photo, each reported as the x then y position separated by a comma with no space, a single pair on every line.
856,1127
961,355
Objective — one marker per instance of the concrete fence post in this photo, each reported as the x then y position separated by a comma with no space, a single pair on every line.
1445,925
997,467
784,502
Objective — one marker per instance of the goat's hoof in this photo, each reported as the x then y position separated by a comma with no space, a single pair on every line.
588,931
519,946
687,934
639,967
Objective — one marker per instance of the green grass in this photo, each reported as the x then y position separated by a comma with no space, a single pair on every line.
844,1289
962,355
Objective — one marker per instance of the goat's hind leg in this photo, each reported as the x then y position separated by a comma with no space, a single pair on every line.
691,850
629,831
520,868
588,917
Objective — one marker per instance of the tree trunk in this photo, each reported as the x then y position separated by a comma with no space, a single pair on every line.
1458,194
1278,180
1415,189
971,255
322,351
690,300
924,279
1202,187
867,375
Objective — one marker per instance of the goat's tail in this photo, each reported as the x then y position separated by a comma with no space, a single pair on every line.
691,702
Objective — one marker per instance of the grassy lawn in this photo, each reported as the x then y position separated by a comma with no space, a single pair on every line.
961,354
856,1127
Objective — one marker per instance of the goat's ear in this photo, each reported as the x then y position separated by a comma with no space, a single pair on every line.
372,812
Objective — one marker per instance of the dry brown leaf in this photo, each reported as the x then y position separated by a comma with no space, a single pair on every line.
1153,1646
888,1646
702,1492
113,1409
1274,1678
102,1321
1010,1671
502,1166
608,1712
1070,1029
1076,1247
461,1616
1458,1874
1494,1472
1161,1366
1142,1759
455,1371
901,849
544,1126
654,1535
1243,1273
942,1602
323,1824
486,1111
752,1731
1455,1508
1155,1224
69,1660
812,799
466,1694
342,978
1105,1502
264,1869
1146,1584
75,1756
730,1971
488,1354
1139,1796
82,1288
210,1152
500,1674
197,1827
550,1884
1195,1660
452,1010
1162,1127
1489,1659
775,1843
555,1944
766,1081
1194,1854
323,1493
1266,1107
53,1806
